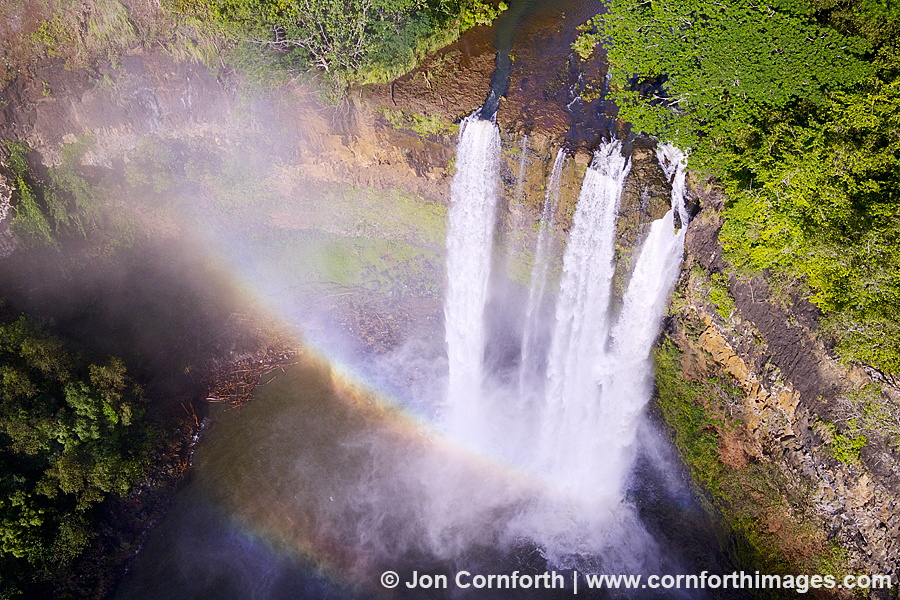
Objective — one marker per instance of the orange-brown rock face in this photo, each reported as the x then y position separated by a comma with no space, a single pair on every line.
796,407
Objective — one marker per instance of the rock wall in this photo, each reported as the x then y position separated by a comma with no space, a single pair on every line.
151,94
798,408
7,240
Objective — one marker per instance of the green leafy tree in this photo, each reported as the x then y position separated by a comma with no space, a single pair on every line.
823,201
70,436
348,41
696,72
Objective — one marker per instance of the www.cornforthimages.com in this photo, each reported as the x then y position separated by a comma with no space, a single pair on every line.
575,581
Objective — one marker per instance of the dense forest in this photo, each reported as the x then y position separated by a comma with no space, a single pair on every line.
73,434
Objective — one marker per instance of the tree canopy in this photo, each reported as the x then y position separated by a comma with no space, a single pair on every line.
698,71
349,41
70,436
793,105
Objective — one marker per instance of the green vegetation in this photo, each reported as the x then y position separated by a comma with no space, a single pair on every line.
695,435
29,219
355,238
71,435
775,527
862,417
346,42
873,412
715,66
845,448
339,42
67,203
427,126
153,168
79,32
389,214
313,262
720,295
795,106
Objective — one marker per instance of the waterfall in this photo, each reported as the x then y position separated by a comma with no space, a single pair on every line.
600,373
585,374
571,413
534,333
473,207
626,375
674,162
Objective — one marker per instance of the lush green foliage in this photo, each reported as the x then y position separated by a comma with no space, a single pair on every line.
348,41
426,126
342,41
697,71
29,219
821,199
70,435
64,203
720,295
78,32
795,106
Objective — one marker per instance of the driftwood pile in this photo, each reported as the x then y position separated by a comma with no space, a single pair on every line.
234,385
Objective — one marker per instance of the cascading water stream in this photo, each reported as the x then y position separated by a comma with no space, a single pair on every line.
474,193
534,335
625,376
600,372
569,417
674,162
585,379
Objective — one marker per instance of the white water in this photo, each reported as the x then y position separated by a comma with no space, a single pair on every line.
473,195
534,338
569,422
571,417
674,162
625,376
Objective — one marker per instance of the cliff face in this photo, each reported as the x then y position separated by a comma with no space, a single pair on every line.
7,240
776,398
